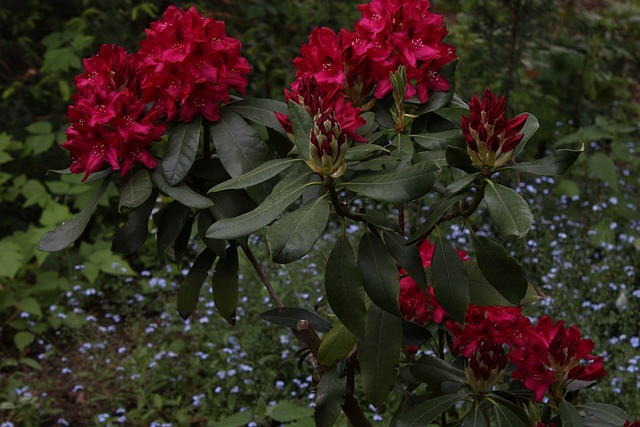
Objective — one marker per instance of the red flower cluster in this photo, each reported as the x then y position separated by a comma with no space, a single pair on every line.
547,356
415,306
189,62
185,67
632,424
390,34
491,138
552,357
109,122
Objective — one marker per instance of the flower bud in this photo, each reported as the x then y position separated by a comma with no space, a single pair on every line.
327,147
491,138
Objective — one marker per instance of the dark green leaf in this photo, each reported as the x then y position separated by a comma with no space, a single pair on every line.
379,353
284,193
475,418
569,415
408,256
603,411
205,219
182,148
462,183
439,141
336,345
302,123
329,398
190,288
396,186
132,235
181,192
180,244
502,271
530,127
381,278
449,280
481,292
67,232
224,284
239,419
459,158
345,288
425,412
436,211
603,168
172,219
135,188
414,334
288,411
403,148
256,176
239,147
290,316
508,209
23,339
555,164
507,418
294,235
259,110
362,151
432,370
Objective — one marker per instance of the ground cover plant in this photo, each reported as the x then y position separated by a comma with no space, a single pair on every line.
371,146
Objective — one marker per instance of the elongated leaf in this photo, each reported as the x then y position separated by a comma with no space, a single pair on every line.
361,151
425,412
284,193
602,166
256,176
397,186
67,232
475,418
132,235
345,287
224,284
408,256
329,398
294,235
459,158
481,291
450,280
181,242
182,148
205,219
336,345
403,148
438,141
302,123
290,316
603,411
135,188
508,209
502,271
436,211
189,290
507,418
172,219
381,278
555,164
432,370
240,148
181,192
259,110
530,127
462,183
379,354
569,415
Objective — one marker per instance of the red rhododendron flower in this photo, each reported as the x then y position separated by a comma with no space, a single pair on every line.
553,356
414,305
109,122
632,424
491,138
404,32
318,101
190,64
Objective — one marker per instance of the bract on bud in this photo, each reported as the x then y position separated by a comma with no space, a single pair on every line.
327,147
491,138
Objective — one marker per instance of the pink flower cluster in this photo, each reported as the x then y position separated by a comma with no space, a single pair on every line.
185,67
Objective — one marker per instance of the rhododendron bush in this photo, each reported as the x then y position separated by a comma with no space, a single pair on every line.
371,137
